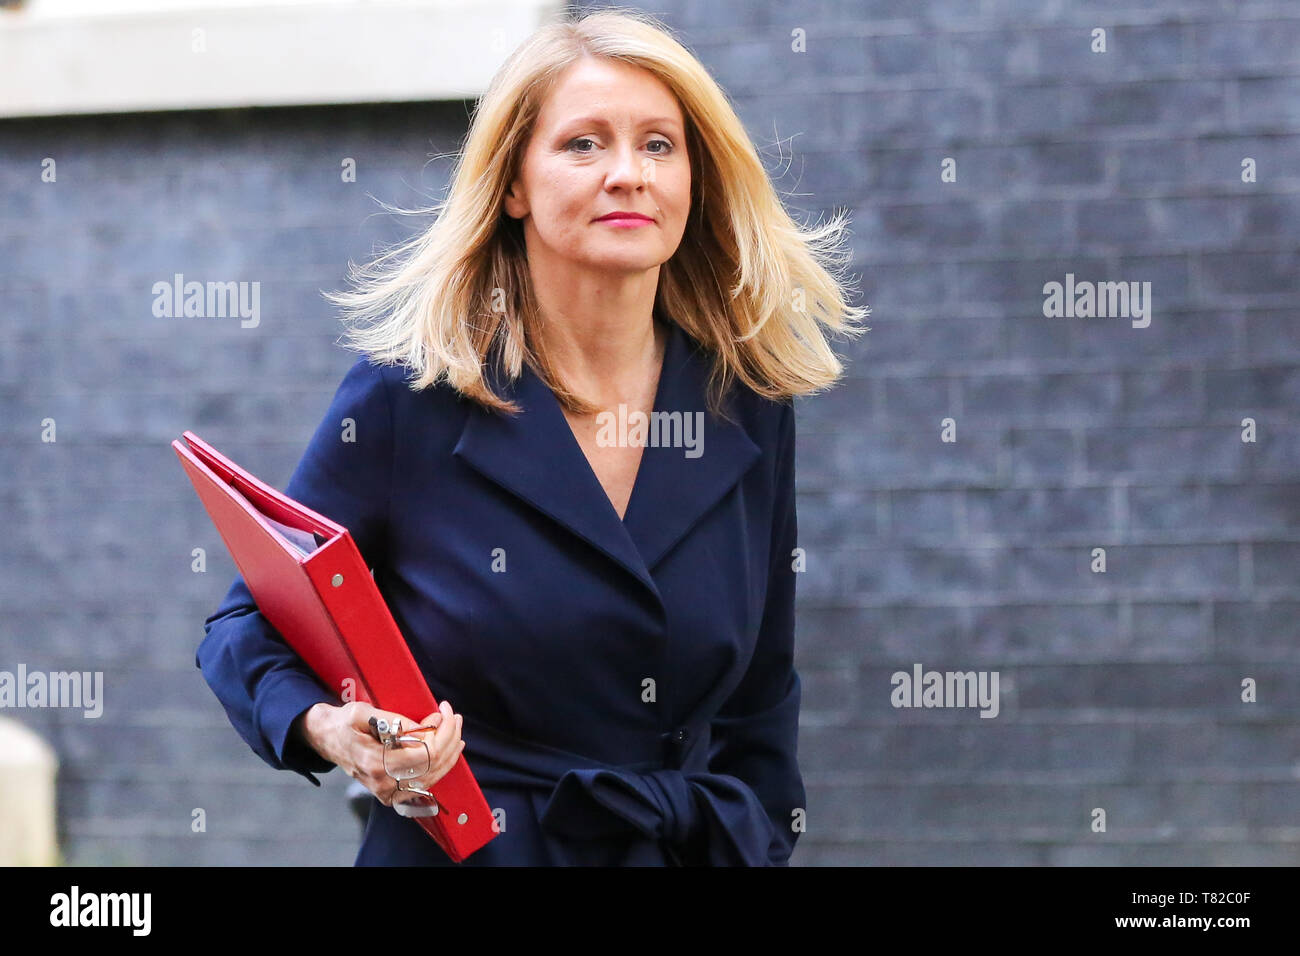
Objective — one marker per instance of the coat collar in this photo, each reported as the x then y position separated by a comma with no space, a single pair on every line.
536,457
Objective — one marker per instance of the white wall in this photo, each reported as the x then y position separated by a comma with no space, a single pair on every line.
92,56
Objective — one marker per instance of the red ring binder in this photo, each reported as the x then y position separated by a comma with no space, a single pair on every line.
326,606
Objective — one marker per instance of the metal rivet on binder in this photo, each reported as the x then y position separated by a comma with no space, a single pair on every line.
337,580
462,818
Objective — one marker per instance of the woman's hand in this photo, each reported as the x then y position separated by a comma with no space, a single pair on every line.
342,736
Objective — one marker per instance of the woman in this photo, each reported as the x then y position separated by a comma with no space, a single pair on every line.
609,606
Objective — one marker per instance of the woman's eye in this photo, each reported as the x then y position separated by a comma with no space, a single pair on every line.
666,146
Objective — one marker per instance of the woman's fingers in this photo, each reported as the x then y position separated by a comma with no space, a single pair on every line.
445,746
382,769
370,762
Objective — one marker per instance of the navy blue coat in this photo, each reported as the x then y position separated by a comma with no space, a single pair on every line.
628,686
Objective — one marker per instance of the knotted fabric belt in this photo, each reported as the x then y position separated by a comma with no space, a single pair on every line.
679,803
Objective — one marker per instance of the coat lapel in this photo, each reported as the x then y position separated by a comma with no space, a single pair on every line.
536,457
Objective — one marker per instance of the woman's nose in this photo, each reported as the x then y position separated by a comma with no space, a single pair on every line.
625,167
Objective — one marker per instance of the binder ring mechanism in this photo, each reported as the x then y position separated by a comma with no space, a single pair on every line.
406,757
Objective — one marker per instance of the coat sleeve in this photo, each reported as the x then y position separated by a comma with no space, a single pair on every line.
345,474
755,734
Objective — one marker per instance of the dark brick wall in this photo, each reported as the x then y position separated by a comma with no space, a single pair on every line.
101,523
1119,691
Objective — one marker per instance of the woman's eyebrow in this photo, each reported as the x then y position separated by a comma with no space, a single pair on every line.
602,122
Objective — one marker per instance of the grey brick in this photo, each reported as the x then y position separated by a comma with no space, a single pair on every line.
1168,506
1188,104
901,852
1143,687
931,13
1243,391
1144,165
1035,225
983,170
1258,508
1269,102
203,850
1218,157
1046,572
917,284
1251,273
736,58
1253,854
917,226
926,572
922,514
875,458
1277,564
1170,631
925,632
853,400
1000,53
1268,217
1120,221
901,171
819,178
771,118
1097,854
1233,46
1173,569
1144,452
1170,394
893,55
1028,338
833,635
1277,453
928,398
1131,51
1170,277
921,117
827,695
836,518
1101,751
1070,396
1032,512
913,341
1037,632
1032,109
1041,453
1259,747
1263,629
1018,284
1173,335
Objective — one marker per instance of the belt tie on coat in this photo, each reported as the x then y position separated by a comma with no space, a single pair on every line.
678,803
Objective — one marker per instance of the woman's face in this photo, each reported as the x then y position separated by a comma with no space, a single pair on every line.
609,139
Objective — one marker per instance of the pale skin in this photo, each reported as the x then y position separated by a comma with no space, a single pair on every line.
610,138
342,736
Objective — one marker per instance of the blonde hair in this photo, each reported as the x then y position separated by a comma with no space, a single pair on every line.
746,281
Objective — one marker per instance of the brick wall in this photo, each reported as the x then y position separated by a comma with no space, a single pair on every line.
1119,690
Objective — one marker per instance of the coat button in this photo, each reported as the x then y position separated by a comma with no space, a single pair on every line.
681,734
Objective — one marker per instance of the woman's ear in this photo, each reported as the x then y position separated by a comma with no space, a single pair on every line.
515,203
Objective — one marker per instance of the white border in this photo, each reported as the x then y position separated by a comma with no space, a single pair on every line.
291,52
